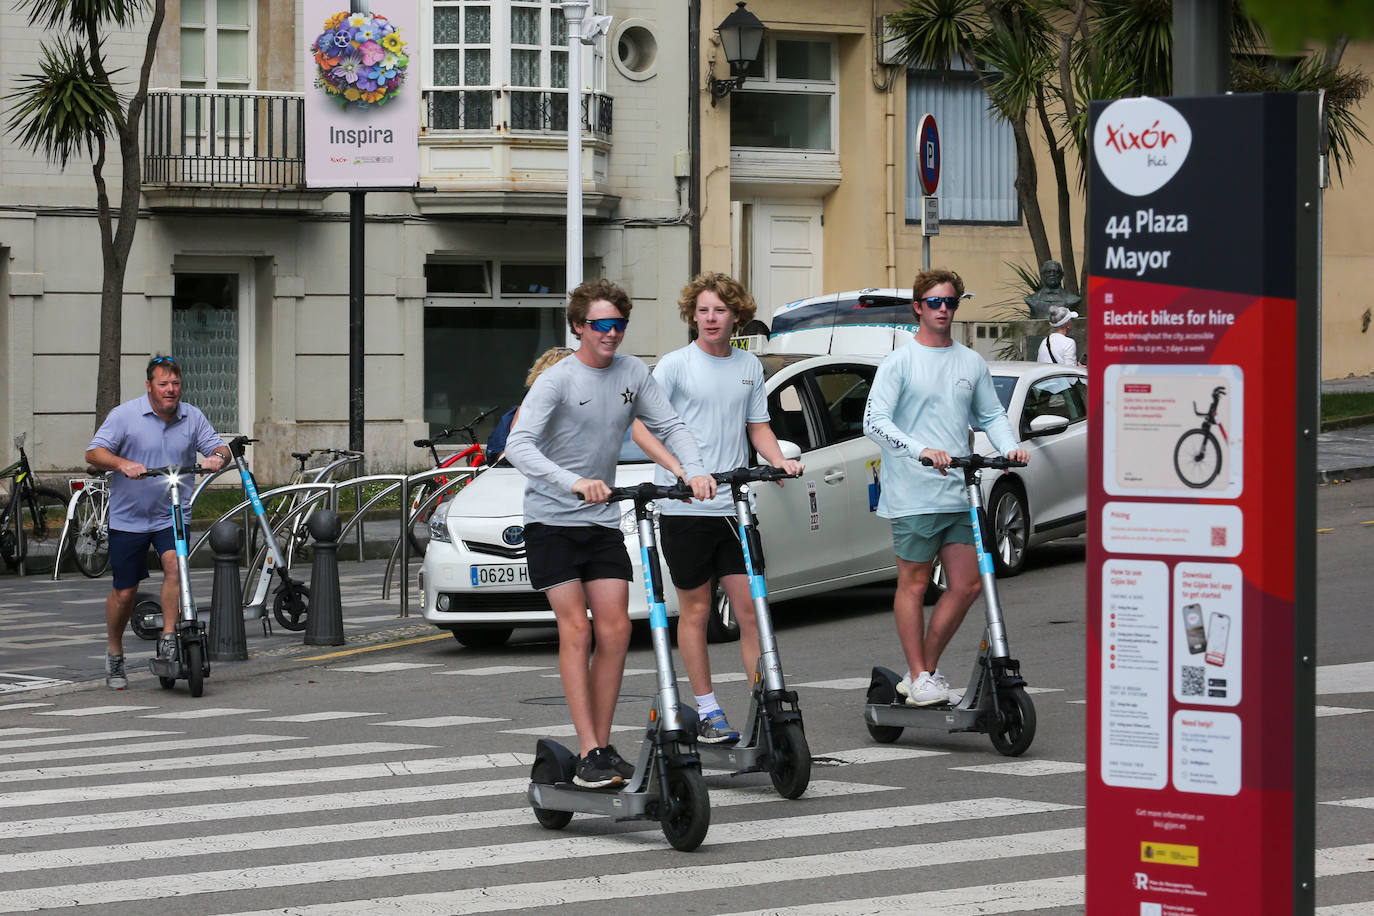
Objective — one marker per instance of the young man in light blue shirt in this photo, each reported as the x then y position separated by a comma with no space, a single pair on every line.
925,396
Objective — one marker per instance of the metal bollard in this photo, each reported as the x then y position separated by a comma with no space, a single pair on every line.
324,623
227,640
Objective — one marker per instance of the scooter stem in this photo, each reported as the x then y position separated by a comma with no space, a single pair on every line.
770,665
187,608
668,711
996,627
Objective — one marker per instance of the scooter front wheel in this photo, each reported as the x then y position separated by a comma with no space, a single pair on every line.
547,772
686,809
1016,731
291,605
791,769
195,668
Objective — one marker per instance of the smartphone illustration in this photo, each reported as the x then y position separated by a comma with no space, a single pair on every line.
1218,632
1192,624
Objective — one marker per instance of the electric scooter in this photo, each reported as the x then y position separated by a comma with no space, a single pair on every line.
291,600
192,662
773,738
667,785
995,703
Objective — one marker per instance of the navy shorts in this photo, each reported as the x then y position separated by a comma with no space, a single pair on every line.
129,553
557,554
699,548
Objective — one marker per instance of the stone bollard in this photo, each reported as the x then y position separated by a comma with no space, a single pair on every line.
227,640
324,623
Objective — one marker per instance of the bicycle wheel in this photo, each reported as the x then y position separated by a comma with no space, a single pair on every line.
42,516
91,533
1197,458
418,532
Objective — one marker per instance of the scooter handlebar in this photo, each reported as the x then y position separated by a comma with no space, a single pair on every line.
646,492
750,475
978,462
183,471
236,445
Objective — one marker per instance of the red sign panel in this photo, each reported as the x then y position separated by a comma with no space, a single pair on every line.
1199,789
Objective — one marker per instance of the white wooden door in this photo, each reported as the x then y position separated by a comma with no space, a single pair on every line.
785,247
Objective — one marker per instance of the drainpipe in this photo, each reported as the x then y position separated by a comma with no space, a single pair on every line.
694,138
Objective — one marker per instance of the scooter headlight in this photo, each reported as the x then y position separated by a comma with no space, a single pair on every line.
629,525
438,523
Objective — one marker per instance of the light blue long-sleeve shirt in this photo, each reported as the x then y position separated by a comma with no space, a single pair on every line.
927,397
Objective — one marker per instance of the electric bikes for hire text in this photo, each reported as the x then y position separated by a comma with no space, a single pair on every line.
667,784
995,702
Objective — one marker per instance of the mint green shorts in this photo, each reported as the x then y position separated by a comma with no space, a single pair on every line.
918,538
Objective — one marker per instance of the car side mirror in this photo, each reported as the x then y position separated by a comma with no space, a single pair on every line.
1046,425
790,450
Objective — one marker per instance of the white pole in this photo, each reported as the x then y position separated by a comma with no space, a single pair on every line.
573,12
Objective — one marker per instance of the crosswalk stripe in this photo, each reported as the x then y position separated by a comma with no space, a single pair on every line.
1363,908
1345,860
232,781
1326,711
211,760
1353,678
147,747
202,712
1352,803
432,860
1010,897
383,667
8,732
93,710
1025,768
438,721
356,831
318,716
10,707
860,755
563,731
498,669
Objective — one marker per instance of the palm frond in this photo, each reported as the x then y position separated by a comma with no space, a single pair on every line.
73,14
64,108
934,33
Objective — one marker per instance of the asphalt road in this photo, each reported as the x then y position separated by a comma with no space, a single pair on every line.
391,775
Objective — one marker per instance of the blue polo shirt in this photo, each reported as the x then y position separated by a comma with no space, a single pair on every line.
134,431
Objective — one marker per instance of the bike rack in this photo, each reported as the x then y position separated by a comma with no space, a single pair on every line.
62,538
402,548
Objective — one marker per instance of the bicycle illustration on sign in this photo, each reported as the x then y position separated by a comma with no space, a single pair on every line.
1198,454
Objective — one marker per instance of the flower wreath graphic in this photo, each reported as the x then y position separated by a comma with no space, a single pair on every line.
361,59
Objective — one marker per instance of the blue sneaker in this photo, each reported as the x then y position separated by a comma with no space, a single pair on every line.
713,729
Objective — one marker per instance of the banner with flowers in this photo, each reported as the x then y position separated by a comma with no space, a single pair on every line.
362,94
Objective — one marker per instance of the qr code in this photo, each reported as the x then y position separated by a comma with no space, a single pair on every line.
1193,676
1218,536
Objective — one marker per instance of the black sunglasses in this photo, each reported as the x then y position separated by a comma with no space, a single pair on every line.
949,302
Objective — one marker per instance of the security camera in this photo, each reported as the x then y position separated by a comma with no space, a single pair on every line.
595,26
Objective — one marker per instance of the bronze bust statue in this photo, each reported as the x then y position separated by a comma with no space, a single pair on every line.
1051,293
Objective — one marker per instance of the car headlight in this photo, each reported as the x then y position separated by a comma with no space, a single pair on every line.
438,523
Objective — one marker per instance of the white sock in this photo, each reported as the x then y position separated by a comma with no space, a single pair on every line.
936,673
707,702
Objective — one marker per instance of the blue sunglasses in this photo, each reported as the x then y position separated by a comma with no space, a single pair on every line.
605,325
934,302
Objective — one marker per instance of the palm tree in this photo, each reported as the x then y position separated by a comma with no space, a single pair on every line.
71,108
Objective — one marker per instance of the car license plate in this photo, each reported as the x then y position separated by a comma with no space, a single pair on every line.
500,574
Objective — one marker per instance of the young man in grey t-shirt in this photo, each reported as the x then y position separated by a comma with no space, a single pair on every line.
566,440
718,390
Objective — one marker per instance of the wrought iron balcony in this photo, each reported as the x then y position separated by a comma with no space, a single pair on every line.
201,138
511,110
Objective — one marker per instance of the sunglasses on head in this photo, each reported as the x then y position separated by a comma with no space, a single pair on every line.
934,302
606,325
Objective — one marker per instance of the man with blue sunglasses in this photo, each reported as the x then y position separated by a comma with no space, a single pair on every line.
925,397
566,441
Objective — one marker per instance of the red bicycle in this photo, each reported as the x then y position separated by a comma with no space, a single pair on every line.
471,456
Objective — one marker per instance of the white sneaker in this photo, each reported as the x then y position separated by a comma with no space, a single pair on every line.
927,692
953,697
904,686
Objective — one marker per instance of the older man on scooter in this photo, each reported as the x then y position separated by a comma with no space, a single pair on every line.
925,396
155,430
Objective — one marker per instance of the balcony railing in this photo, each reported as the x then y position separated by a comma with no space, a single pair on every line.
224,139
526,110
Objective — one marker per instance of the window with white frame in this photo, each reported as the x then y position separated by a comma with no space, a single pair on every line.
483,54
788,100
218,54
977,150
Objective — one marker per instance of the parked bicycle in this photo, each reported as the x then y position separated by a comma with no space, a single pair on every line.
474,457
288,514
32,518
1197,457
88,524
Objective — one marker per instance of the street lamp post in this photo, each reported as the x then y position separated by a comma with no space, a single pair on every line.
582,29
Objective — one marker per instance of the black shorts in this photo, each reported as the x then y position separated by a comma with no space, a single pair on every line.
699,548
557,554
129,553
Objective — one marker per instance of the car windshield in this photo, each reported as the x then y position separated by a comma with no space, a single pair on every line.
1004,385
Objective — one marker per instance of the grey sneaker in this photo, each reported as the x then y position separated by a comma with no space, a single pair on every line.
167,647
115,679
713,729
595,771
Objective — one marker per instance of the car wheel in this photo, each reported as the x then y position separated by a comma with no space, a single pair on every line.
482,637
1010,522
938,582
722,625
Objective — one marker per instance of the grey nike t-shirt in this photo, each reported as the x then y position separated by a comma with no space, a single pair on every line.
571,426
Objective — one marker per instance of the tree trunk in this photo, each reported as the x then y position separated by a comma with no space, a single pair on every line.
1026,179
1061,184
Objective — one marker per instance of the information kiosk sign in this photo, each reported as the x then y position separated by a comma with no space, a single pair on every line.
1201,602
